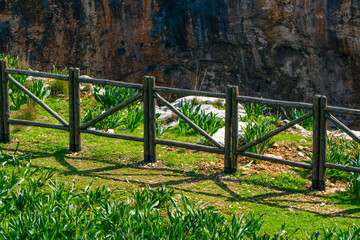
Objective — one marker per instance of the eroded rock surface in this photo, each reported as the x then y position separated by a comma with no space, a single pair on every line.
278,49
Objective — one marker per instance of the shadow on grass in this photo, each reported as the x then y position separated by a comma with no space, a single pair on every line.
188,177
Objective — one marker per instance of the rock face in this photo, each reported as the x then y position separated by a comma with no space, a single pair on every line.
271,48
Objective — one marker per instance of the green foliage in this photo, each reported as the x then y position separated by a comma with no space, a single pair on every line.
256,128
307,123
59,86
134,116
253,111
18,98
111,122
159,126
208,122
355,177
37,87
110,96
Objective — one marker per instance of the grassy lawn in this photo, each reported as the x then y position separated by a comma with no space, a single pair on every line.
280,193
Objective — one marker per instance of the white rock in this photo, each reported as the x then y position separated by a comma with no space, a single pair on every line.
301,154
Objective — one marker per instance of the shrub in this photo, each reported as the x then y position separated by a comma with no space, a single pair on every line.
133,117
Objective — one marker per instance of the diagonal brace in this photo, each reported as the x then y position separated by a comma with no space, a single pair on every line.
340,125
37,100
111,111
274,132
191,123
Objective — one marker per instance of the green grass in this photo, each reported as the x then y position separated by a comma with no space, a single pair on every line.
280,197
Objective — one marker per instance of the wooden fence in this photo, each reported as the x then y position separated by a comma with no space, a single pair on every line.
150,94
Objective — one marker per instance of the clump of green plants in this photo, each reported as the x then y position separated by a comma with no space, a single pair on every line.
160,129
58,86
111,122
206,121
295,113
254,130
109,96
259,122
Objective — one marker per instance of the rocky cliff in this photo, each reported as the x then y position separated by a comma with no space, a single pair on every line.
285,49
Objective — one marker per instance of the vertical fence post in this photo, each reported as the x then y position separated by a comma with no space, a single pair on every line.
74,110
4,105
231,129
149,120
234,127
319,143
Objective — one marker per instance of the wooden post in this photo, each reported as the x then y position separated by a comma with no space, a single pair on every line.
74,110
234,128
149,120
231,129
319,143
5,136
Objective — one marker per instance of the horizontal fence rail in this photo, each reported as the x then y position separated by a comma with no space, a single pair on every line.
149,95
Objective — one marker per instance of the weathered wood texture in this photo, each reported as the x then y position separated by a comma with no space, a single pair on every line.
274,132
36,74
38,124
188,121
110,82
189,146
189,92
277,103
319,143
149,120
112,111
231,129
340,125
319,108
112,135
74,110
276,160
37,100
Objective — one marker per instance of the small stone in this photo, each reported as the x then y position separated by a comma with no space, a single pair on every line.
302,141
300,148
275,145
301,154
322,204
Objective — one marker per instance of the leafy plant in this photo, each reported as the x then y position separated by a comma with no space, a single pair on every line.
253,131
37,87
134,116
18,98
206,121
253,111
159,126
338,153
307,123
111,122
110,96
355,177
